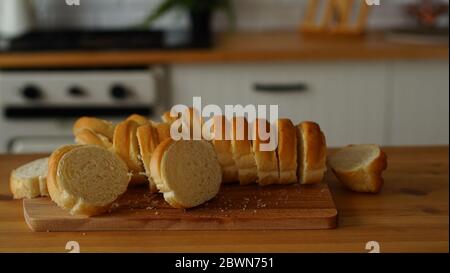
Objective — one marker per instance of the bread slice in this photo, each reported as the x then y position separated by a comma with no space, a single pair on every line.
312,153
148,140
141,120
96,125
222,145
126,145
287,151
266,161
242,151
30,180
86,179
187,172
89,137
360,167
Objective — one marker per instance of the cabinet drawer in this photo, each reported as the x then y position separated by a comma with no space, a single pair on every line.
346,99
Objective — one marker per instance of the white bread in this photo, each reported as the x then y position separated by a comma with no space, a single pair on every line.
187,172
86,179
96,125
126,145
360,167
30,180
222,145
148,140
242,151
89,137
312,153
266,161
141,120
287,151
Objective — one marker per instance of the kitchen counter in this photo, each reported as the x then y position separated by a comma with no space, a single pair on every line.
239,47
411,214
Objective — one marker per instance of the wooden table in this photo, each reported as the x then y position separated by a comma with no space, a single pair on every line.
239,47
411,214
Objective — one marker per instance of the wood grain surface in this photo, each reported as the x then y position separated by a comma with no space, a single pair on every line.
234,208
411,214
239,47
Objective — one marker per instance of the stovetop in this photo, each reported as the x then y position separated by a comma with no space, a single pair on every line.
65,40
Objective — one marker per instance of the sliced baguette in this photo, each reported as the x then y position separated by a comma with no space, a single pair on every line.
96,125
89,137
148,140
86,179
287,151
312,153
266,161
30,180
126,145
242,151
360,167
187,172
222,145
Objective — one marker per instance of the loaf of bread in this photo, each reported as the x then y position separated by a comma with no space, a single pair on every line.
126,145
89,137
30,180
148,140
360,167
242,151
312,153
287,151
96,125
222,146
266,160
86,179
187,172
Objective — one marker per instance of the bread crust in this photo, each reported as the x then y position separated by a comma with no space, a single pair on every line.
96,125
28,188
89,137
243,153
155,164
60,196
266,161
223,148
166,118
312,153
163,131
141,120
287,151
126,145
148,141
367,179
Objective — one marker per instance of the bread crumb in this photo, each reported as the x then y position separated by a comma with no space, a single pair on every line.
84,234
156,213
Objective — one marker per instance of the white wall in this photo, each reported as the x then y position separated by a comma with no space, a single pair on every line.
251,14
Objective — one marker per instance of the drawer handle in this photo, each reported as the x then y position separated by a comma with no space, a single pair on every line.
294,87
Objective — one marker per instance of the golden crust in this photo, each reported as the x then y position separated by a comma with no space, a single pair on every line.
266,161
148,141
287,151
155,164
96,125
141,120
126,145
312,153
89,137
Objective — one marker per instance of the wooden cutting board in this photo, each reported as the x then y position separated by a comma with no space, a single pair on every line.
235,208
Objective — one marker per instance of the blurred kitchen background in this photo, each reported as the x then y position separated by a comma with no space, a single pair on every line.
386,83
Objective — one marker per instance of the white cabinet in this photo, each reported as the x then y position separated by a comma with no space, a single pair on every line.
389,103
344,98
420,103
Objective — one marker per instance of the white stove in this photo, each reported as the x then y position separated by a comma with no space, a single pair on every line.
38,108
